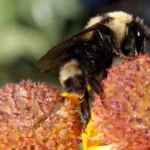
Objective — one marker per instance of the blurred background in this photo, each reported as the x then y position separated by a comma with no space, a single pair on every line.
29,28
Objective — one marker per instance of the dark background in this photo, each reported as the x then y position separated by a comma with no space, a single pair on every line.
29,28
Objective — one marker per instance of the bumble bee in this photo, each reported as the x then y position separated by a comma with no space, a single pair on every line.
89,53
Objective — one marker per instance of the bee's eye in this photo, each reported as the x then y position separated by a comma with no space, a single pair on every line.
107,20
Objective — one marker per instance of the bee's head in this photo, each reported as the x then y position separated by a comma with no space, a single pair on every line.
130,33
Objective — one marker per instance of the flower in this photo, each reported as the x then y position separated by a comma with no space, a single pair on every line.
33,116
72,97
123,121
89,137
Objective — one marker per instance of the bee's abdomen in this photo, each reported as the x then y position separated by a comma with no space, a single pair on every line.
84,60
73,78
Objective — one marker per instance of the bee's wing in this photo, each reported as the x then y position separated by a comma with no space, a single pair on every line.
53,57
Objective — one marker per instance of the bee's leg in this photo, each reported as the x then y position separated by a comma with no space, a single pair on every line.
95,85
73,79
105,73
85,108
77,84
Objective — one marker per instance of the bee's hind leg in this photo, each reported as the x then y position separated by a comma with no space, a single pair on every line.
85,108
77,85
95,85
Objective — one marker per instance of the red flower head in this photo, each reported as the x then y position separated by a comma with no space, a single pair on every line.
33,116
124,122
